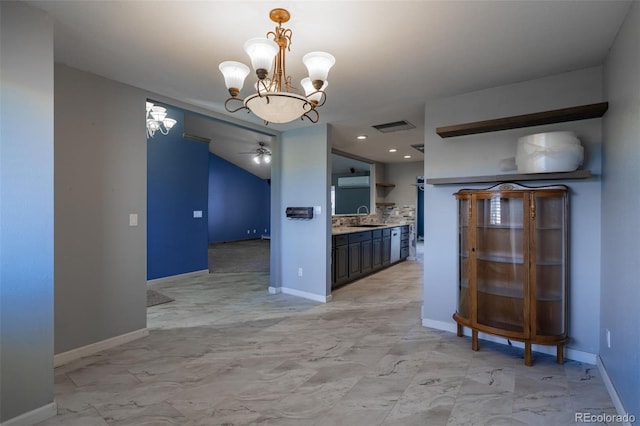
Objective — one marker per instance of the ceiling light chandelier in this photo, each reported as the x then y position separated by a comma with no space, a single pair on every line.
275,100
157,120
263,155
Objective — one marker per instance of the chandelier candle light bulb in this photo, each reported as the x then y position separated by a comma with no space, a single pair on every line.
275,100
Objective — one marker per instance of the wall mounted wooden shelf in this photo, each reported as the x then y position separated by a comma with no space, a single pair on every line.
527,120
385,185
578,174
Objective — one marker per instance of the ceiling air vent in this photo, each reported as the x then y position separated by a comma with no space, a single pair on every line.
396,126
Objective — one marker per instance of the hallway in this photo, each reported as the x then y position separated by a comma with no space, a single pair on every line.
226,352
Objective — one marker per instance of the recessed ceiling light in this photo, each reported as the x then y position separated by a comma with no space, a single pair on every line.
392,150
361,137
407,156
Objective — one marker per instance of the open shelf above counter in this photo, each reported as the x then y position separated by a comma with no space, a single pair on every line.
527,120
514,177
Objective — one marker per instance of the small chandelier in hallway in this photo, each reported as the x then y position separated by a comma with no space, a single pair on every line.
157,120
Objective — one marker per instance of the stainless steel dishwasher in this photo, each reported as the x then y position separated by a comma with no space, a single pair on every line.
395,245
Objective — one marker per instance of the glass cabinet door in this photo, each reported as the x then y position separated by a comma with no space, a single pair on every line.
501,272
550,273
463,258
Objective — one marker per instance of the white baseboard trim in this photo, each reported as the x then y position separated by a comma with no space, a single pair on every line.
305,294
615,398
34,416
173,277
66,357
274,290
573,354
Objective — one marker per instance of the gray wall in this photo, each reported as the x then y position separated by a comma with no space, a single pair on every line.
478,155
304,181
403,175
620,292
100,178
26,212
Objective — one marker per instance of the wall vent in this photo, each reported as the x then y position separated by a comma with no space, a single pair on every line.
195,138
395,126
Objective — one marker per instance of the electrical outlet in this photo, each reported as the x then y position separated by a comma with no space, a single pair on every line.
248,231
299,272
608,339
254,231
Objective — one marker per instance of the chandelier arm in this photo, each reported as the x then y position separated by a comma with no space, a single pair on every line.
228,101
310,118
322,100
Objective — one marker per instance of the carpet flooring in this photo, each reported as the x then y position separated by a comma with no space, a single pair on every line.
154,298
239,256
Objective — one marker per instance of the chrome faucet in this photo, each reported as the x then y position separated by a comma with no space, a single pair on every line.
358,212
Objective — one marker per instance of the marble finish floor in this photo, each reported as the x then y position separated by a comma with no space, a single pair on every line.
226,352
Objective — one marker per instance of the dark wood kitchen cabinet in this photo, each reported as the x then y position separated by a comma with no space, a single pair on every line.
376,249
404,242
340,260
513,245
358,254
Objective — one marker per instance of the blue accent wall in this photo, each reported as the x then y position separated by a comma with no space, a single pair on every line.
238,202
177,179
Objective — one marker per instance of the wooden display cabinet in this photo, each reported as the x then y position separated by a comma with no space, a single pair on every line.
512,243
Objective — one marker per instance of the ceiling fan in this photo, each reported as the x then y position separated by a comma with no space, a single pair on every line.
261,155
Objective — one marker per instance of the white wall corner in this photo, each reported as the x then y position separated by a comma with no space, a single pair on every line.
612,390
88,350
34,416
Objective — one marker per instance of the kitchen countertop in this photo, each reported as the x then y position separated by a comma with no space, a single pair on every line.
338,230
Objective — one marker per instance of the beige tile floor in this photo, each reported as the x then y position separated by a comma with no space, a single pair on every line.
226,352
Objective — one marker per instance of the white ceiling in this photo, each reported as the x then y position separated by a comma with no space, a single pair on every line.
391,56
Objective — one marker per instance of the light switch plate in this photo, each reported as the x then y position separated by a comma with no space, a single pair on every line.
317,210
197,213
133,219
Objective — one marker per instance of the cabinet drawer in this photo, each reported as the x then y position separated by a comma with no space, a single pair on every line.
340,240
404,252
359,236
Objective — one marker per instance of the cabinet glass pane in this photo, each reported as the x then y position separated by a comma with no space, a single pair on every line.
500,262
463,263
500,211
550,267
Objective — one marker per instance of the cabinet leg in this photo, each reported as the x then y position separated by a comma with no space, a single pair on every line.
474,340
460,330
528,359
560,354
